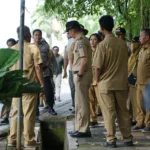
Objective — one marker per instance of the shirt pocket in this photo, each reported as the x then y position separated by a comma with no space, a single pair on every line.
76,53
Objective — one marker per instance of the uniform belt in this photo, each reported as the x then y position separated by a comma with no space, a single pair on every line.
75,72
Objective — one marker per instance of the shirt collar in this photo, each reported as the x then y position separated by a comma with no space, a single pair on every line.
109,35
145,47
79,36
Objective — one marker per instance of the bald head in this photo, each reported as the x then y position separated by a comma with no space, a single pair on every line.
27,34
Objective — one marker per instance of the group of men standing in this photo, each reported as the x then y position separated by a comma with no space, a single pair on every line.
110,70
109,67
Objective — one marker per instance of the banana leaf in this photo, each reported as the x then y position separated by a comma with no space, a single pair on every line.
8,57
6,101
13,83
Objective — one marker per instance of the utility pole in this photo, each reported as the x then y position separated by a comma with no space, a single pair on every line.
21,46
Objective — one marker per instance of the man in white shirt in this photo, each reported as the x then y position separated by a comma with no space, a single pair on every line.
66,63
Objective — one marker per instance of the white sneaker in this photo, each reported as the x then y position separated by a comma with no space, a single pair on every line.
38,144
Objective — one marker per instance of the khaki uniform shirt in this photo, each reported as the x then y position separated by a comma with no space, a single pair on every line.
93,80
31,58
129,47
143,69
70,52
81,49
111,58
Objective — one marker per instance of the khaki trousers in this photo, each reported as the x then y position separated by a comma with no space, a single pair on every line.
93,96
82,108
5,111
29,102
143,116
129,105
133,98
113,104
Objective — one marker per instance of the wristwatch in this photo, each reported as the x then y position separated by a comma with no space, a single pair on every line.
79,75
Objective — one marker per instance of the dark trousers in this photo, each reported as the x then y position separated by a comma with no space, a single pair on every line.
37,106
72,88
49,91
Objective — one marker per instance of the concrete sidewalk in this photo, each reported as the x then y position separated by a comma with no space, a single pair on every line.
141,140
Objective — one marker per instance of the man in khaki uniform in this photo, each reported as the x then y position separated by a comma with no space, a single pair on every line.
121,33
32,62
82,79
68,58
132,74
110,63
93,90
70,54
143,76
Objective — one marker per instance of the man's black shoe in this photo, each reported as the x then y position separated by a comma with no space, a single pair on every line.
133,123
4,121
71,108
81,134
128,144
73,111
110,144
136,128
52,111
93,124
73,132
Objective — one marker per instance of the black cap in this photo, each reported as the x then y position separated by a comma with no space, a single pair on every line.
99,32
71,25
120,30
85,31
135,39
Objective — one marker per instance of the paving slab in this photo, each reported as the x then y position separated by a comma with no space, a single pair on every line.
99,137
142,148
141,140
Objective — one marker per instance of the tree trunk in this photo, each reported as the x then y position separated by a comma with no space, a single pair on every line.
145,14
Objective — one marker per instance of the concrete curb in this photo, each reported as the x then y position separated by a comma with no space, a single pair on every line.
4,130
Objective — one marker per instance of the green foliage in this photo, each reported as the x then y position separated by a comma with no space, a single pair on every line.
132,14
48,23
8,58
12,83
6,101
